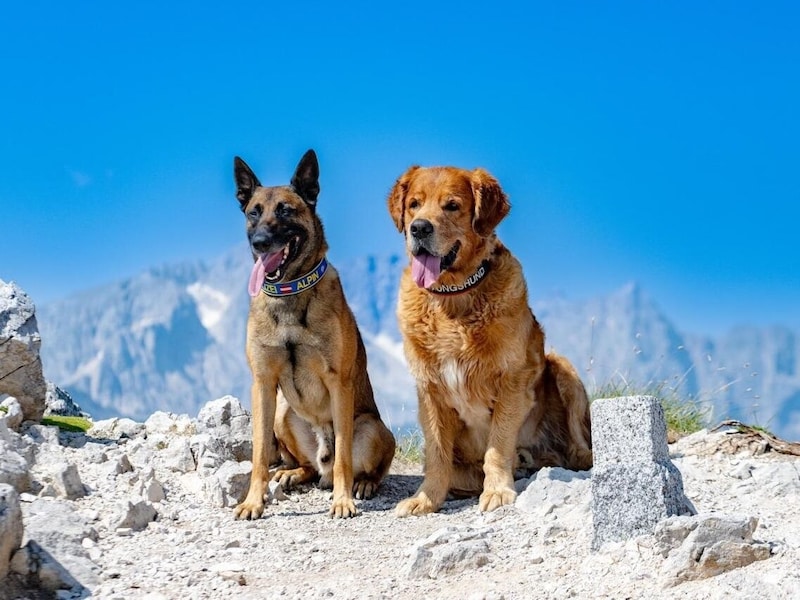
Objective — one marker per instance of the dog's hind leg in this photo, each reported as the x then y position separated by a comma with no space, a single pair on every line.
373,452
576,403
298,446
467,480
324,454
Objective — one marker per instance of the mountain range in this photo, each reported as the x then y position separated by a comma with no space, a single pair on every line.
172,338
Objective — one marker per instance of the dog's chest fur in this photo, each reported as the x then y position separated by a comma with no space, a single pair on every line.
454,377
457,368
472,354
298,355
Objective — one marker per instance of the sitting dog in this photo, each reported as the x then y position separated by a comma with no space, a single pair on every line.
490,399
309,367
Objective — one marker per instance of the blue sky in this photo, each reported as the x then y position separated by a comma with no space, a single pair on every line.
656,142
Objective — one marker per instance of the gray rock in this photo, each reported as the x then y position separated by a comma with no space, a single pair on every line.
707,545
781,479
275,491
553,487
20,365
227,421
634,483
116,429
161,422
134,513
11,413
54,531
149,487
10,526
209,452
21,562
229,485
152,490
219,412
120,465
177,456
52,575
43,434
67,481
447,551
14,468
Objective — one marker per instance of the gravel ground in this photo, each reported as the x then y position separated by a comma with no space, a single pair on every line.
196,550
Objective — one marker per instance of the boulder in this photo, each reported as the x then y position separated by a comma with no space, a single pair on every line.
20,365
707,545
10,526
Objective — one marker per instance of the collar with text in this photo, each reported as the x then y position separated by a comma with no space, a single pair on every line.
469,283
290,288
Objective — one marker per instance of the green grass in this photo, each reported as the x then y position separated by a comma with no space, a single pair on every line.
4,409
72,424
683,416
410,447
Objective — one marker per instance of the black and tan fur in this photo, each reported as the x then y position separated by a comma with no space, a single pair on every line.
490,399
309,367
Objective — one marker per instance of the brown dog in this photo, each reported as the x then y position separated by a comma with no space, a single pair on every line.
310,382
488,394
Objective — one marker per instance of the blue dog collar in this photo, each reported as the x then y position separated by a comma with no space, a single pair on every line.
290,288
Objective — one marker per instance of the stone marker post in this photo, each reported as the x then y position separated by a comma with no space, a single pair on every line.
634,482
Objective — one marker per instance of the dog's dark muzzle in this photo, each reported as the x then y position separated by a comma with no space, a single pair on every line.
263,241
421,229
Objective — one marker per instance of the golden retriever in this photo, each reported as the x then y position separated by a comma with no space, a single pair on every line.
490,399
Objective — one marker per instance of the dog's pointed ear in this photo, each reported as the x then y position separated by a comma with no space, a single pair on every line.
397,198
305,180
491,203
246,181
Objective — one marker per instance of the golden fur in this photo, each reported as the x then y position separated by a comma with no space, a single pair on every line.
309,367
490,399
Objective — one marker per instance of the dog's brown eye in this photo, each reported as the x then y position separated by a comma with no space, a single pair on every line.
283,210
413,205
452,206
254,213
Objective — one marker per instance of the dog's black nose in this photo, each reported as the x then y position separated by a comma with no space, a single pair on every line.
261,241
420,228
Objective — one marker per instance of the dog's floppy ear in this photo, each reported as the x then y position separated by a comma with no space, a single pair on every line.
491,203
246,181
305,180
397,198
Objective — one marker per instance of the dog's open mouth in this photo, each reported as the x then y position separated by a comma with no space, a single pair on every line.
426,267
270,266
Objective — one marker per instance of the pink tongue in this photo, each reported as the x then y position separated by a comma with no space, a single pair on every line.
265,263
425,269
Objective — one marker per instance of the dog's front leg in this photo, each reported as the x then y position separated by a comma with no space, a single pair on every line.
498,462
342,407
439,426
264,398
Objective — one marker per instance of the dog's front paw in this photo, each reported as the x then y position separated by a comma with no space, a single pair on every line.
416,505
494,499
343,508
251,508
